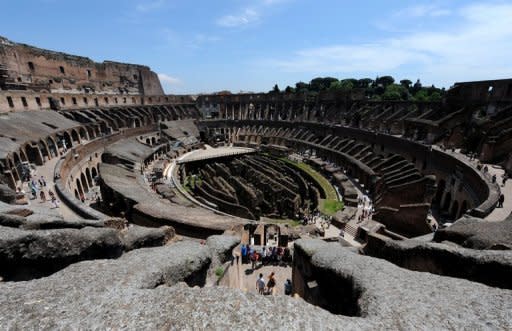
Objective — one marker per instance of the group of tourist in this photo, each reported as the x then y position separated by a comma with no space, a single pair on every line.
268,287
39,185
367,208
315,218
264,255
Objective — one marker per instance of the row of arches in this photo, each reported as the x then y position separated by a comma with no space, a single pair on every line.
95,122
131,117
17,163
85,181
447,203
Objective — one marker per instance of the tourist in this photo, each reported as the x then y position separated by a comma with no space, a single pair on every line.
243,252
253,259
42,196
288,287
264,255
33,182
260,284
271,283
54,202
501,200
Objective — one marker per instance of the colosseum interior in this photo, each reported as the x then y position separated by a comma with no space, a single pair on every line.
122,207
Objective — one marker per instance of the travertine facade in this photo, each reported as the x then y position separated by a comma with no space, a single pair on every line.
26,67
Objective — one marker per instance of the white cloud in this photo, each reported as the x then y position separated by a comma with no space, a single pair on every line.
169,81
249,15
188,40
150,5
422,11
246,17
476,47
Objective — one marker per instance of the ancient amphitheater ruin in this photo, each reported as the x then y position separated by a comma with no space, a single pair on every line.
122,207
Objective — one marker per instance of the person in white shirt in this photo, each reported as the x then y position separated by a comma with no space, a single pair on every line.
260,284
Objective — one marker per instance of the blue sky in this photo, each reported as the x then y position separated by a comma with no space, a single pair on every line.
249,45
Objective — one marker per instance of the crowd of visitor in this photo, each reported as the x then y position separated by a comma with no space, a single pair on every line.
265,255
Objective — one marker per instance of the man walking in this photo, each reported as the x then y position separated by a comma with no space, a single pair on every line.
260,284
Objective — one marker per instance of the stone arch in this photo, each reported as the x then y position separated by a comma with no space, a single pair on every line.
104,127
153,141
43,147
9,162
136,123
52,146
90,132
66,139
33,154
77,195
148,142
23,155
13,168
16,157
89,178
83,180
75,136
79,188
94,172
83,133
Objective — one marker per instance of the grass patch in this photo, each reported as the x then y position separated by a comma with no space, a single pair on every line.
191,182
219,272
289,222
329,191
330,207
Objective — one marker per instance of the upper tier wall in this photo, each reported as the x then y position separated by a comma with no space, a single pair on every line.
27,67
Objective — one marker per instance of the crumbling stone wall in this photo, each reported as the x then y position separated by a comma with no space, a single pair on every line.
29,67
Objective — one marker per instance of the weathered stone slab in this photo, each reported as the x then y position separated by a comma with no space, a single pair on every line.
389,297
222,246
29,254
138,236
489,267
472,232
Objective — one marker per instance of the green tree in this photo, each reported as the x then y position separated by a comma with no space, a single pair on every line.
421,95
395,92
301,87
289,89
416,87
335,86
406,83
321,83
436,96
276,89
364,82
385,81
342,85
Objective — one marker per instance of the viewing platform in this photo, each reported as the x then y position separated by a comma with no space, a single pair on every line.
214,153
